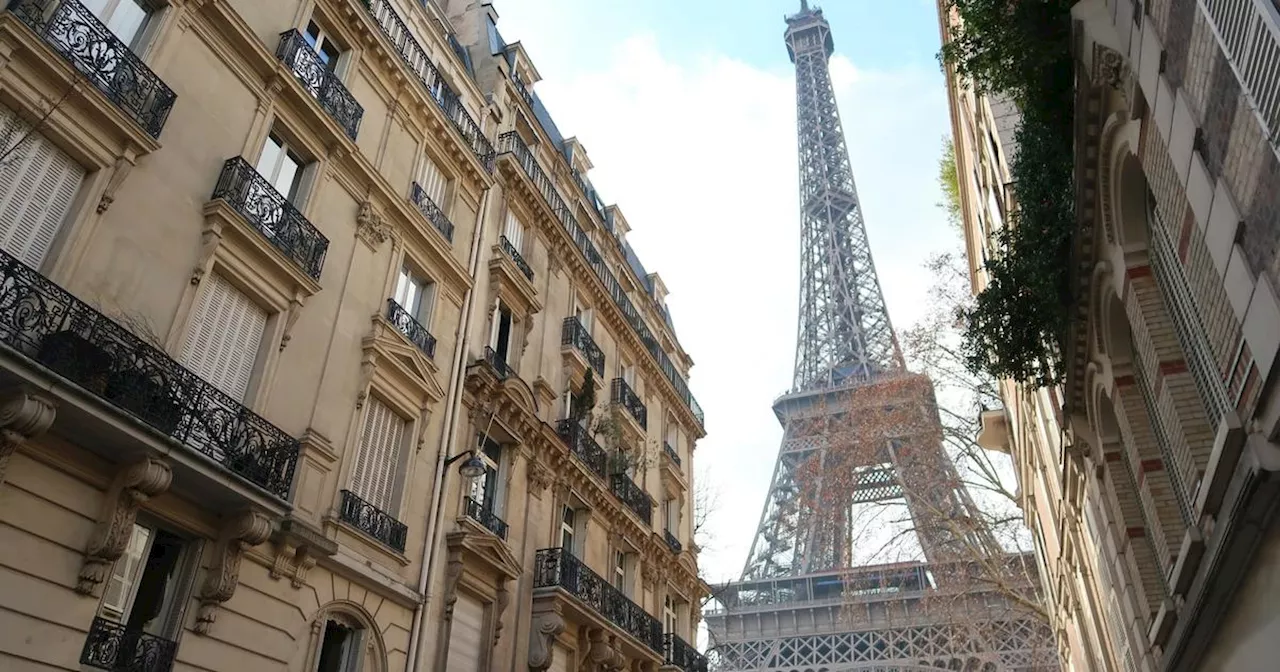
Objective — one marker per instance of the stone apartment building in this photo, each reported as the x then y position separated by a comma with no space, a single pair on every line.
303,306
1149,478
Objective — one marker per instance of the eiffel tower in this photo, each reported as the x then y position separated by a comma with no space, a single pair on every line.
801,604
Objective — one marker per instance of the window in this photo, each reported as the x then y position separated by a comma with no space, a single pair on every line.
416,295
628,373
672,437
500,336
584,315
466,635
224,337
432,181
376,476
126,18
622,572
282,166
148,584
340,647
323,45
671,514
485,489
38,183
514,231
668,615
568,529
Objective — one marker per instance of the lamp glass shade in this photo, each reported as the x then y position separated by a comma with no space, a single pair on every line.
473,467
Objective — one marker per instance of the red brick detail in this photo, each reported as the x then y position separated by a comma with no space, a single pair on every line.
1135,532
1124,381
1173,368
1135,272
1152,465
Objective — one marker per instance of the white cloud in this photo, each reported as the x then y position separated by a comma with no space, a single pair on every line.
700,155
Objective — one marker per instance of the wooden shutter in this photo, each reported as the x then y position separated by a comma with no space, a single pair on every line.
37,187
224,337
125,574
378,460
466,635
433,182
514,231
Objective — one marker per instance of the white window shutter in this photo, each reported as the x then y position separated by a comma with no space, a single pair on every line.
37,187
378,460
224,337
514,231
466,635
432,181
125,573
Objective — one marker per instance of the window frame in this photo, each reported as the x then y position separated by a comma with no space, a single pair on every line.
337,62
569,529
352,657
428,292
492,496
395,498
263,353
179,586
304,175
501,347
143,34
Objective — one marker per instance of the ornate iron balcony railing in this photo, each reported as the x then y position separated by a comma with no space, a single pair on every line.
498,363
572,332
516,257
111,646
485,516
558,568
78,36
46,323
522,88
372,521
673,543
411,328
671,453
580,443
251,195
680,653
622,394
415,57
510,143
321,82
632,496
418,196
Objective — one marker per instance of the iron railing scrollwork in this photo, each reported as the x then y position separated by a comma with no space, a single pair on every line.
558,568
573,333
112,646
510,143
672,543
582,445
633,496
411,328
415,57
522,89
264,209
484,515
431,211
46,323
372,521
683,655
622,394
516,257
322,83
671,453
498,362
73,31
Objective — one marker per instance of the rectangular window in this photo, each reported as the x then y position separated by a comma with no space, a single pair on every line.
282,166
376,476
622,572
671,513
672,435
584,315
127,19
323,45
148,584
485,490
668,615
568,529
224,337
416,295
628,373
432,181
466,635
500,337
38,183
514,231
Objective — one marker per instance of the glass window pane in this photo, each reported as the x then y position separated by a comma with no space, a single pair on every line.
270,158
287,180
126,21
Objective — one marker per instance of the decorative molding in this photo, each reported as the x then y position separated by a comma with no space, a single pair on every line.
246,529
540,477
547,624
132,485
123,165
452,572
210,239
500,602
290,319
22,416
370,227
297,547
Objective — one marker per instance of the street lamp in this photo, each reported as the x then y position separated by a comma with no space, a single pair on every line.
472,469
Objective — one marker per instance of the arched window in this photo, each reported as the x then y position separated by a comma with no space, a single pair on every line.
341,644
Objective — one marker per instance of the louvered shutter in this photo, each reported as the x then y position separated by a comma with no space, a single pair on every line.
378,460
124,574
514,231
432,181
224,337
465,635
37,187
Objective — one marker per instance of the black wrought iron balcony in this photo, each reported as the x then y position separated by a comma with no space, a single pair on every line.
633,496
673,543
671,453
622,394
415,57
522,89
411,328
321,82
580,443
682,654
372,521
45,323
498,362
558,568
418,196
73,31
516,257
573,333
264,209
112,646
485,516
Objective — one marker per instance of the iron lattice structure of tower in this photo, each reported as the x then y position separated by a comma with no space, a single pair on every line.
800,604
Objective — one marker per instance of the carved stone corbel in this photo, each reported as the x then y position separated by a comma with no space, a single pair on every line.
121,170
546,625
366,377
291,318
210,238
540,478
132,486
370,227
247,529
452,573
22,416
500,602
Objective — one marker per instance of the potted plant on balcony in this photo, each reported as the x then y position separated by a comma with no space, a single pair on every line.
77,358
146,396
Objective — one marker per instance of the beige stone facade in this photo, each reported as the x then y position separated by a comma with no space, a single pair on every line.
1149,479
272,276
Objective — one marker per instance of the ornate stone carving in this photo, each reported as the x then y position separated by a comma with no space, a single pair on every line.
22,416
452,572
132,486
122,167
500,602
604,653
545,627
370,227
540,478
210,238
291,318
247,529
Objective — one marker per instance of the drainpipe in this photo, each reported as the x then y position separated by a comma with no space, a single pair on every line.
461,340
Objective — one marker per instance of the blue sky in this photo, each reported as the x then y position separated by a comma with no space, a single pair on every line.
687,111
